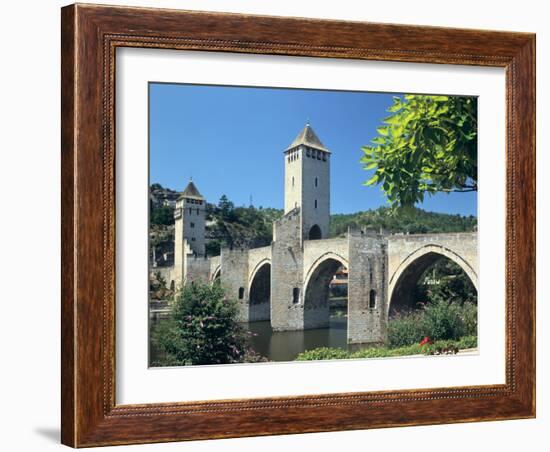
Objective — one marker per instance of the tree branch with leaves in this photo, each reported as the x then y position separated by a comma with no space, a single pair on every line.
427,145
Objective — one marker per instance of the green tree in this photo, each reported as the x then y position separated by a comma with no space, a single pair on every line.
163,215
428,144
227,208
203,328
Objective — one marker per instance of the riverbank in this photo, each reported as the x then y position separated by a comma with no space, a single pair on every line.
467,343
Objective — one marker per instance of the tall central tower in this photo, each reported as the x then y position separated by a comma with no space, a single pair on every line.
307,183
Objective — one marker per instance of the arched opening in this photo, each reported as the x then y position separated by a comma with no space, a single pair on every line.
315,231
325,298
295,295
431,276
372,299
217,275
260,294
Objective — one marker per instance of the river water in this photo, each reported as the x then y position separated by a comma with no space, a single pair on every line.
286,345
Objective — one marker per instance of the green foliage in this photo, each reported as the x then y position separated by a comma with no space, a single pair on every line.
226,209
428,144
445,320
436,348
406,329
230,226
413,221
251,227
446,281
213,247
438,320
450,346
163,215
203,328
323,353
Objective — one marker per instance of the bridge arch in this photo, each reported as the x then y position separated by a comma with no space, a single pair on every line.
217,274
405,277
315,232
259,292
316,289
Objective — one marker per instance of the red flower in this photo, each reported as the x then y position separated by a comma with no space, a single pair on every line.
425,341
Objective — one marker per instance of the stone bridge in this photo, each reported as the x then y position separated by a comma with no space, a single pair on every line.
410,255
287,283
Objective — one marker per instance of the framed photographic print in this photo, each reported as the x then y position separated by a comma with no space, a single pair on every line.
281,225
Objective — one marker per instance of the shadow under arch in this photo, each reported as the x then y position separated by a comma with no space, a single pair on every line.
317,290
259,292
315,233
402,284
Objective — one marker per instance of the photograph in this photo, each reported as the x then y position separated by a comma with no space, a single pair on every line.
294,224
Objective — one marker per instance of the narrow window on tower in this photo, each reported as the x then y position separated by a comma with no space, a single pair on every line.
192,225
372,299
316,204
197,211
316,182
293,181
295,295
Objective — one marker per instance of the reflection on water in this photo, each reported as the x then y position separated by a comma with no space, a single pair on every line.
286,345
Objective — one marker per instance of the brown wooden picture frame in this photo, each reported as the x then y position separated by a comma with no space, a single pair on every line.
90,35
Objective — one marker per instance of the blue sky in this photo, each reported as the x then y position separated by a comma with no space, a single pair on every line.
230,140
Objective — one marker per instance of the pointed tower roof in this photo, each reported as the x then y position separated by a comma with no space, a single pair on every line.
191,191
308,138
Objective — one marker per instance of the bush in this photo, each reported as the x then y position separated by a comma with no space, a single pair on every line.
439,320
443,320
323,353
450,347
405,329
203,328
436,348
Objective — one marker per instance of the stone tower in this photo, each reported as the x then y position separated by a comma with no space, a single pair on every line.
190,218
307,183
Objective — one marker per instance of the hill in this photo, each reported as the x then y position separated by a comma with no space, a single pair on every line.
251,227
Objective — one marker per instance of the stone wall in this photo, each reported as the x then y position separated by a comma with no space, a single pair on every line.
367,317
315,168
167,273
197,268
293,180
234,278
287,274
